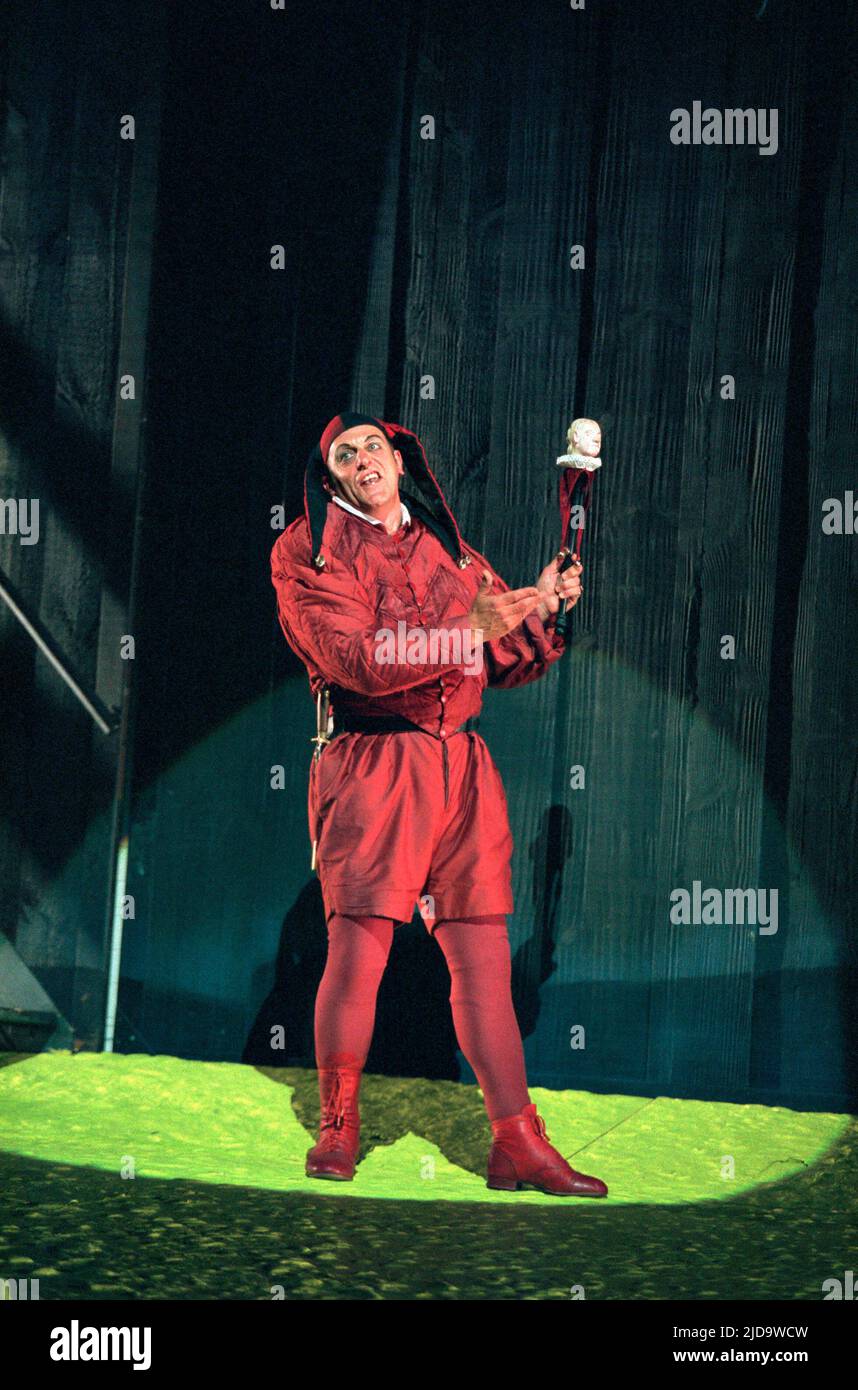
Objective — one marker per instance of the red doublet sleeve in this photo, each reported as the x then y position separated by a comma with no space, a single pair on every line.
524,654
328,619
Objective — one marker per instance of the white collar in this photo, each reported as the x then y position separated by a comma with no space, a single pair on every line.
373,520
576,460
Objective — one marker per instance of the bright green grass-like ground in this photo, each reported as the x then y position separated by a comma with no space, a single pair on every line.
139,1176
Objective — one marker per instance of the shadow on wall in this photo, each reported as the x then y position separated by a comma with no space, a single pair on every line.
215,958
414,1033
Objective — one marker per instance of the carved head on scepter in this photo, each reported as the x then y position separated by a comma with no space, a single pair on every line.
584,437
584,440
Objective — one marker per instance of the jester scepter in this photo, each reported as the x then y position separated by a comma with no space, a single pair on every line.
584,440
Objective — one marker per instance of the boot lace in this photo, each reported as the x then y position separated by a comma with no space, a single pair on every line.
539,1126
335,1115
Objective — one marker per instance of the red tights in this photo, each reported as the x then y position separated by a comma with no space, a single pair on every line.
478,958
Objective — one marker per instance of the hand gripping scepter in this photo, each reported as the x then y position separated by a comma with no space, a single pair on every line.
584,439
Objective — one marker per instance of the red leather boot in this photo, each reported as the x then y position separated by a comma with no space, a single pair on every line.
336,1153
521,1156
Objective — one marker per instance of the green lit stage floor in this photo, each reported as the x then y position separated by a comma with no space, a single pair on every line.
155,1177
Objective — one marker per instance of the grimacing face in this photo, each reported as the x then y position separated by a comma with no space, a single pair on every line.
364,469
587,438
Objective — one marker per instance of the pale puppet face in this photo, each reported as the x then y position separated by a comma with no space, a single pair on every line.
365,469
586,438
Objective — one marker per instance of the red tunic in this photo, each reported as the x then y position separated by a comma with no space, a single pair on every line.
400,815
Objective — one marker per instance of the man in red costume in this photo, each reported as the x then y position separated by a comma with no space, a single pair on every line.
404,624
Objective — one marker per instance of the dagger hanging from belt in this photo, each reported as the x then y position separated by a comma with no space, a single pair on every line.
321,739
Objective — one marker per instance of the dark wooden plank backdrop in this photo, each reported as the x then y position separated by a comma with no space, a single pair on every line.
68,75
448,258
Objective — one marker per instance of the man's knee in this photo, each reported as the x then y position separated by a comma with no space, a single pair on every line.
476,949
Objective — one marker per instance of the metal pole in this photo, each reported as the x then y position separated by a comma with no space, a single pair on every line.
129,467
106,719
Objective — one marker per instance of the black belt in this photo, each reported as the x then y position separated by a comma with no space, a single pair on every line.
382,724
